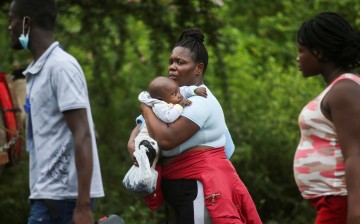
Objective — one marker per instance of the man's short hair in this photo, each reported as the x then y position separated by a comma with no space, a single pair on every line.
42,12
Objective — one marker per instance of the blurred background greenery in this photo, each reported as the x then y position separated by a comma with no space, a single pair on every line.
122,44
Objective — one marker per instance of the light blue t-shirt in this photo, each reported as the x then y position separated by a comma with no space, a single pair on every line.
208,115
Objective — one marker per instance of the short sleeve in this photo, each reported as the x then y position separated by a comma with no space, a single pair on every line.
197,112
69,86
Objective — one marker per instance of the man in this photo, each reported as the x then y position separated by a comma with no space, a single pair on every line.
64,166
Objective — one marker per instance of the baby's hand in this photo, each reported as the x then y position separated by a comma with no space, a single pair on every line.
185,102
201,91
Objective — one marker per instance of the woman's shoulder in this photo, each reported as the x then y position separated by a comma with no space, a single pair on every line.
346,88
202,104
346,77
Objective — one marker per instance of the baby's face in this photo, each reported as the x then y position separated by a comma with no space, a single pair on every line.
172,93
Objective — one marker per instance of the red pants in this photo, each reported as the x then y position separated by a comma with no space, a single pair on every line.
330,209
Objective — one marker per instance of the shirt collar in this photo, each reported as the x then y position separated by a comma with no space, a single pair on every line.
36,66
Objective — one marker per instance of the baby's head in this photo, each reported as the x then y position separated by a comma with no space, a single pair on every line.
166,89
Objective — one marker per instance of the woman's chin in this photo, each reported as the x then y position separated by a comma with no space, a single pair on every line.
173,77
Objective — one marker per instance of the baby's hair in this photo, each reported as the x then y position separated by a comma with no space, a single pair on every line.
157,85
193,39
332,34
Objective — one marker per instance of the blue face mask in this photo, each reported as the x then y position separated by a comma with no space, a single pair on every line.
24,39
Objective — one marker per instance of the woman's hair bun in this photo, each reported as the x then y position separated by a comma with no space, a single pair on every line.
194,34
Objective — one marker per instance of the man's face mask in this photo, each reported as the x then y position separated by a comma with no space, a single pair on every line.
24,39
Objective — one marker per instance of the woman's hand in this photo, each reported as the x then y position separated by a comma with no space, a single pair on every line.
131,143
144,107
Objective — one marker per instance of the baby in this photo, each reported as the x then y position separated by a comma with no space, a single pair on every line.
167,100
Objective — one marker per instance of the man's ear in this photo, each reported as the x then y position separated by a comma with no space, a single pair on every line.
27,23
199,70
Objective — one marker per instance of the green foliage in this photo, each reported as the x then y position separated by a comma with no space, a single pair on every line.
14,193
122,44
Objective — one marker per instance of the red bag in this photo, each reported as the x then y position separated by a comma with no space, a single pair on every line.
11,117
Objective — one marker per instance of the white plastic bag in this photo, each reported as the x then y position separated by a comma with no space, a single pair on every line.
142,179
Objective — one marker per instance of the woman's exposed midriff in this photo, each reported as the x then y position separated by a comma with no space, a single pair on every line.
167,160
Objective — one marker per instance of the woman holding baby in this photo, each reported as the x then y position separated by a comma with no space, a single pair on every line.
198,181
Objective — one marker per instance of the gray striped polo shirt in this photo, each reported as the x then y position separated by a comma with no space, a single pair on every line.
56,83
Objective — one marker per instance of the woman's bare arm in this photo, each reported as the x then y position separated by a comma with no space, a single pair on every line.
168,136
344,106
131,143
